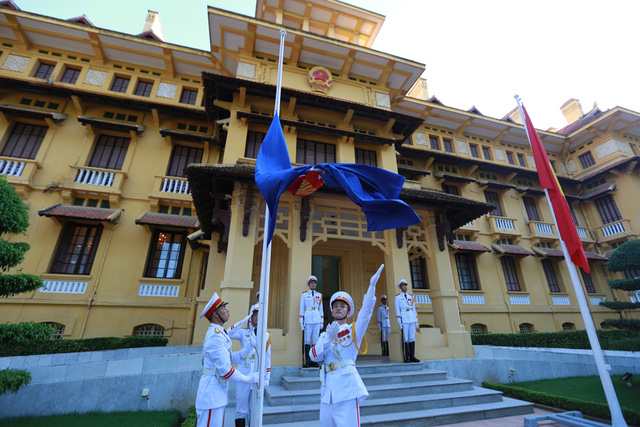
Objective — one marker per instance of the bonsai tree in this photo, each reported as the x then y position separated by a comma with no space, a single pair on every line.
14,219
626,258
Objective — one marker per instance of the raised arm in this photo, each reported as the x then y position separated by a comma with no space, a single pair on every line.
368,302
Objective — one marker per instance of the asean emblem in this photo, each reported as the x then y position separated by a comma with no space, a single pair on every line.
320,79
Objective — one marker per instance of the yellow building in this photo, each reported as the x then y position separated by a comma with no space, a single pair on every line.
98,126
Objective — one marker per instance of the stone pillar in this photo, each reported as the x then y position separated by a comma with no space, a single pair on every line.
300,256
396,267
444,297
237,282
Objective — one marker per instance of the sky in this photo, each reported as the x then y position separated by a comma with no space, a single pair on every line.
476,53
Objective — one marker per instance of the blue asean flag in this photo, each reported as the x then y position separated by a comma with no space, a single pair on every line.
374,190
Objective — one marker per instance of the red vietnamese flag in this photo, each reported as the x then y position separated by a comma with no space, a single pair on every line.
549,180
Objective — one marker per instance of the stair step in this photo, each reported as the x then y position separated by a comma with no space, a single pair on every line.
278,395
375,406
369,377
441,416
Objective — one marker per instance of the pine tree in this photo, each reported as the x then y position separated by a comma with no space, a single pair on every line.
626,258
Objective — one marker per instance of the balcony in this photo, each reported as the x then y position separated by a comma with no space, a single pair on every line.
19,172
542,230
173,187
85,178
584,234
499,226
615,230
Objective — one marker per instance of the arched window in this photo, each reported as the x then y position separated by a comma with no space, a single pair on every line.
58,330
526,328
148,330
568,326
478,329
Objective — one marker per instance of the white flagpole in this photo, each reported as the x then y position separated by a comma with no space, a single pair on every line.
257,404
617,420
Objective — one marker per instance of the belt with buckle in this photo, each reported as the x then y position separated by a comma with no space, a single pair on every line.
407,309
311,308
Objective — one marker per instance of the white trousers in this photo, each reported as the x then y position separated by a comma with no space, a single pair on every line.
210,417
385,334
343,414
243,399
311,333
409,332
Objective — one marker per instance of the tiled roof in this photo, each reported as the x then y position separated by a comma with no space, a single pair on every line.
609,167
511,249
462,245
180,221
548,252
598,191
596,257
590,116
80,212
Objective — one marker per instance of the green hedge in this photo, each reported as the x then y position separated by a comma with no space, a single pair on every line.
630,344
565,339
11,380
629,324
73,346
25,332
192,418
594,409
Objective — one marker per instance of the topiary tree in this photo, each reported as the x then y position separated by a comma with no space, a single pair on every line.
626,258
14,219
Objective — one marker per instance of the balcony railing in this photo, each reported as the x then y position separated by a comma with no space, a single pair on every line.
614,228
473,299
561,300
422,298
502,225
11,167
542,229
519,300
175,185
95,179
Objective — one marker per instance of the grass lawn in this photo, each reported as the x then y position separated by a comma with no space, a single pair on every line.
587,388
99,419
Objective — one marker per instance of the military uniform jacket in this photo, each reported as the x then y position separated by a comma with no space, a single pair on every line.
383,317
213,390
249,363
344,383
311,307
406,308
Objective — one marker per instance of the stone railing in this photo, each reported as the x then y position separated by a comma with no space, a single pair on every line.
88,178
615,228
63,287
473,299
519,299
422,298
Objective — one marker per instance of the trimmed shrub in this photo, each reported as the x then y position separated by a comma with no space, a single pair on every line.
192,418
24,332
631,344
73,346
599,410
564,339
11,380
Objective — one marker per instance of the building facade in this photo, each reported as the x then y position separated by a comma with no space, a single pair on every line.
136,160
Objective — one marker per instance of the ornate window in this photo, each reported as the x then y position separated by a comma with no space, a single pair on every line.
181,157
467,274
550,274
166,254
120,84
588,283
418,269
568,326
148,330
608,209
109,153
587,160
24,141
530,206
188,96
77,249
493,199
525,328
44,71
510,273
70,75
143,88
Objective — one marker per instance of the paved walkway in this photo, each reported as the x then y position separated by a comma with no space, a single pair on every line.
514,421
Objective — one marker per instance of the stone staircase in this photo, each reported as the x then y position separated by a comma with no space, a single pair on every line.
399,395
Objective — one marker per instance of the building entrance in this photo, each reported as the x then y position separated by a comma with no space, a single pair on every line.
328,270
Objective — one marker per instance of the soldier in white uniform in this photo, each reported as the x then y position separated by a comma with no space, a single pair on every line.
384,325
213,390
408,320
245,332
342,388
311,317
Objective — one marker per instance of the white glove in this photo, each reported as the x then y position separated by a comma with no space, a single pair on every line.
244,351
302,325
252,342
371,293
266,383
332,331
238,377
400,323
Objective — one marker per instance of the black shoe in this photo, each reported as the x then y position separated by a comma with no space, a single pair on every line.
412,350
406,353
307,359
240,422
314,365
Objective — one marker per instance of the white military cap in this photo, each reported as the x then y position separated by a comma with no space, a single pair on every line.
310,278
401,282
343,296
253,308
383,297
214,303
